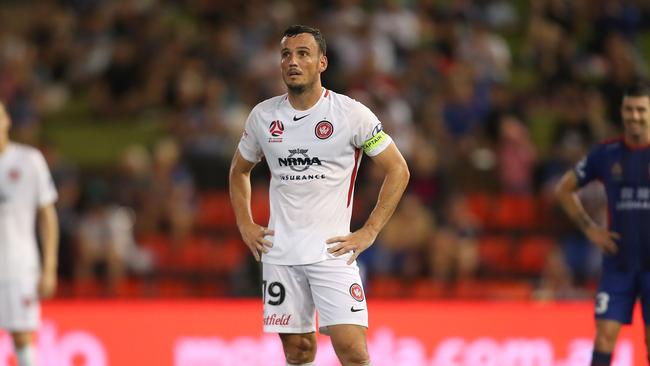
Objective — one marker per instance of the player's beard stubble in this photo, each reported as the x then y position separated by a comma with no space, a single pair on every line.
297,89
635,131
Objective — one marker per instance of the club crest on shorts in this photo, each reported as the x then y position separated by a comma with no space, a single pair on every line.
324,129
27,302
356,292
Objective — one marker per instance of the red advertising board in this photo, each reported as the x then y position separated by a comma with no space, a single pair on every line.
225,333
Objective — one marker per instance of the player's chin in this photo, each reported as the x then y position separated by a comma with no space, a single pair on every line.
636,130
296,87
634,123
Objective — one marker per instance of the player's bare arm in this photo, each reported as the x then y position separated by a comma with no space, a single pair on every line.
396,178
49,232
240,198
566,194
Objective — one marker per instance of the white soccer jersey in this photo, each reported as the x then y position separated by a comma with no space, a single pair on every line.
313,156
25,186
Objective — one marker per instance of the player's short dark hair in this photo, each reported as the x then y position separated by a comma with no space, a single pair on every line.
297,29
638,89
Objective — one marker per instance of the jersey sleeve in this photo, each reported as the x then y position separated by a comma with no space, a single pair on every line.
367,131
249,146
587,169
46,190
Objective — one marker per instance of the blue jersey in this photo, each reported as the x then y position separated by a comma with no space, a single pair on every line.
625,172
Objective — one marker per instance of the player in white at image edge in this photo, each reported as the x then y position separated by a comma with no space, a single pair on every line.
312,140
26,193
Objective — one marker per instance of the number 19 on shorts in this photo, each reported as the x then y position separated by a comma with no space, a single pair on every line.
275,291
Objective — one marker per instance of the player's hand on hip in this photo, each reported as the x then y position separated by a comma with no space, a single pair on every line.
355,242
47,285
253,235
603,239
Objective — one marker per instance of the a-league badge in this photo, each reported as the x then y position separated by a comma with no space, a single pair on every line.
276,128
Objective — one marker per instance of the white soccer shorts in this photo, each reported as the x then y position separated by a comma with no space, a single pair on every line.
292,294
20,308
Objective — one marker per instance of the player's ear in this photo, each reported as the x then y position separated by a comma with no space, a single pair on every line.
323,63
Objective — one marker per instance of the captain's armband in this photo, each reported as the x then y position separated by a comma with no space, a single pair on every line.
370,144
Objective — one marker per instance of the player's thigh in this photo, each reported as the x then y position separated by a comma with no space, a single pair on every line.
349,341
288,305
19,305
338,293
617,293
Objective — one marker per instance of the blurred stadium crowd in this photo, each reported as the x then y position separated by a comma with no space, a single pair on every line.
490,101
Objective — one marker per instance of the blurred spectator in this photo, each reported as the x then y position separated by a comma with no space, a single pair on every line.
106,241
117,92
427,182
134,178
453,252
516,156
397,252
556,282
169,205
547,48
466,106
487,52
500,14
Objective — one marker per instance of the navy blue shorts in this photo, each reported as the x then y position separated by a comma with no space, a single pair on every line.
617,294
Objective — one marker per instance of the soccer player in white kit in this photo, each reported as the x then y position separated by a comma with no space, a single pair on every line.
26,190
313,140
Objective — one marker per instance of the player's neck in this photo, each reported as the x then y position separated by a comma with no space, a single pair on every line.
637,141
4,142
305,99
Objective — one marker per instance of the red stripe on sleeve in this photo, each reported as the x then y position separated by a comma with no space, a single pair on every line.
357,154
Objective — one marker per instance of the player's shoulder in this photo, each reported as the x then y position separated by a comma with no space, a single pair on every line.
269,105
343,99
264,112
353,109
25,150
609,146
613,142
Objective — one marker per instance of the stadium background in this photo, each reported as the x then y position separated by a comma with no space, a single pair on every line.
138,107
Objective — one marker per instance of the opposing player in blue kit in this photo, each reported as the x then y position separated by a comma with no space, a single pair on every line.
623,166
